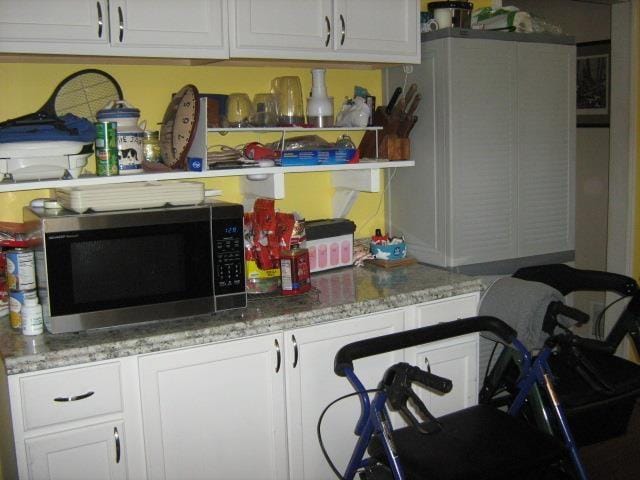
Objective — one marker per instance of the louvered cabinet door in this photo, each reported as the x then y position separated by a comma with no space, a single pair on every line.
546,148
482,145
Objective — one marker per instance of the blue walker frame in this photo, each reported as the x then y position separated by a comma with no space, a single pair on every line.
374,417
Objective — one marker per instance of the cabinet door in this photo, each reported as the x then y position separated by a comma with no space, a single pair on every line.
280,28
312,385
189,28
481,117
42,26
88,453
546,148
455,359
216,411
387,28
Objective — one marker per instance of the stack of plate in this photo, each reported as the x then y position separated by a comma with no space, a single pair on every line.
130,196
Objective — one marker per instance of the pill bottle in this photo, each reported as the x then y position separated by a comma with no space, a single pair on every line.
31,317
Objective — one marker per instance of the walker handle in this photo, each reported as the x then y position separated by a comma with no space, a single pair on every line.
418,336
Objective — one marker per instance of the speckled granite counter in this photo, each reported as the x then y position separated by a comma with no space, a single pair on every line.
335,295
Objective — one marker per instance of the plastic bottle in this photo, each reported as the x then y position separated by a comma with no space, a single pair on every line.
31,317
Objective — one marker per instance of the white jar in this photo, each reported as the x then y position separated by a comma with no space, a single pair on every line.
130,135
31,317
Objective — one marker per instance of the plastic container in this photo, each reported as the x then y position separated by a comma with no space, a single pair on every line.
130,135
32,317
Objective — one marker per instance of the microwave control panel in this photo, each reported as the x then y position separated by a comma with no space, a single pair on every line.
228,255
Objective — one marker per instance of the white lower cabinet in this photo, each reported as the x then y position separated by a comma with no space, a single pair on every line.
95,452
242,409
216,411
79,422
312,385
455,359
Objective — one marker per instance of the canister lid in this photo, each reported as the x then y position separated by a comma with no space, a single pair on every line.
118,109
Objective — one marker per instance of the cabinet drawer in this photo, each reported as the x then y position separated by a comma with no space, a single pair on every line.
78,393
447,310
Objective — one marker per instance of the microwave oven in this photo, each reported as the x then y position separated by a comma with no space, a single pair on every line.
105,269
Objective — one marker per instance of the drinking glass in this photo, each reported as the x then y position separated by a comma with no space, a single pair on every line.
265,110
239,109
289,94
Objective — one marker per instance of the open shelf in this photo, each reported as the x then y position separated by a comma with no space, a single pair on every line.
365,164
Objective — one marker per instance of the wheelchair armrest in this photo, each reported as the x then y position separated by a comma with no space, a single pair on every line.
418,336
567,279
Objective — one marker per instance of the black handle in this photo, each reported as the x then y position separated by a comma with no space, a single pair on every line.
579,316
74,398
430,380
418,336
100,23
394,99
121,24
567,279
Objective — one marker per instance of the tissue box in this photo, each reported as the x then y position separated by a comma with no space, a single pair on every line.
330,243
396,251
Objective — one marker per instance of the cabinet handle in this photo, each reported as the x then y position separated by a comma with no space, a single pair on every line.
343,29
428,365
121,26
278,356
75,398
326,43
116,437
100,23
295,351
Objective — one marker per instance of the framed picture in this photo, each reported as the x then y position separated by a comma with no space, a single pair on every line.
593,83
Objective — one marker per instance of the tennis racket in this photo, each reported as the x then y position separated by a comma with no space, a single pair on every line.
82,93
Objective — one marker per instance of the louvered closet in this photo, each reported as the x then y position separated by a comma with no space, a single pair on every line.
494,151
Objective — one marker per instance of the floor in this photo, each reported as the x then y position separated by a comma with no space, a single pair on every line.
618,458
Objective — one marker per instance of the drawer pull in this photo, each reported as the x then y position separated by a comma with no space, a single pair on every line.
326,43
344,28
74,398
100,23
116,437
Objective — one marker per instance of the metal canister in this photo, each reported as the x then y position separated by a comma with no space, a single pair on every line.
16,303
295,271
106,149
21,271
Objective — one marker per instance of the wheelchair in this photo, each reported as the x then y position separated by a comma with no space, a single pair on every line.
479,442
597,389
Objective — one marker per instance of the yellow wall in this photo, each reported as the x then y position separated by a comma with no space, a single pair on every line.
25,88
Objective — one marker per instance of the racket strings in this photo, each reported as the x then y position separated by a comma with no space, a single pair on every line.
85,95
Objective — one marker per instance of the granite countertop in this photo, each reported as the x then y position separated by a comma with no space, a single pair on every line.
335,295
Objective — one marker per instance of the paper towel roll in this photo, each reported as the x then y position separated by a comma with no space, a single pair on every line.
443,16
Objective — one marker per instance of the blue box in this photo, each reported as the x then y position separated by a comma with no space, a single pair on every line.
396,251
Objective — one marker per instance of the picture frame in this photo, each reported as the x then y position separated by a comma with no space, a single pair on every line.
593,83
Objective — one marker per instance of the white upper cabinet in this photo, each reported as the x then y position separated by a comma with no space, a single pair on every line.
185,29
188,28
374,31
338,30
43,26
